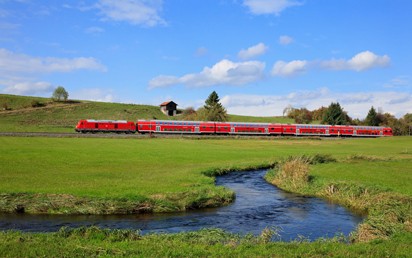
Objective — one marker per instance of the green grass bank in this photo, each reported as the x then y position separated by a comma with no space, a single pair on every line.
94,242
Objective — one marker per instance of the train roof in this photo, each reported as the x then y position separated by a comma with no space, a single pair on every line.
107,121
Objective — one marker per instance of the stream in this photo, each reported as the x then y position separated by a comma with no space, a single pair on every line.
258,205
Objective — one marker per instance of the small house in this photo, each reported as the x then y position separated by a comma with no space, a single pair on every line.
169,108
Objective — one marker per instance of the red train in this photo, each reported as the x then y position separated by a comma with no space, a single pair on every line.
229,128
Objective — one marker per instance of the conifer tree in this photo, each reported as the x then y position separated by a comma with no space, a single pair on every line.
213,109
372,118
334,115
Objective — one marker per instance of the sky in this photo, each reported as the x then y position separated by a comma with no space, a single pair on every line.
260,56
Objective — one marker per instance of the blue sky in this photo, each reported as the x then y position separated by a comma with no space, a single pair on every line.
260,56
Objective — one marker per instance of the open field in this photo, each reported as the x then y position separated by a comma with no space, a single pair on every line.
141,169
169,174
144,167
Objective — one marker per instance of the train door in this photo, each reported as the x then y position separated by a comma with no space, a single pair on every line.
232,129
197,129
158,128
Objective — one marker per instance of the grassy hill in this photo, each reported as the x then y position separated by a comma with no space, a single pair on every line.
35,114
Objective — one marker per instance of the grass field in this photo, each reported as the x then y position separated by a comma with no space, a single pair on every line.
141,169
169,174
392,175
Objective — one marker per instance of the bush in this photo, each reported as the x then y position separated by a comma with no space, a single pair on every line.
6,106
36,103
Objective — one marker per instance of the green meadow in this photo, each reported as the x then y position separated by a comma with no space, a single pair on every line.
116,168
151,170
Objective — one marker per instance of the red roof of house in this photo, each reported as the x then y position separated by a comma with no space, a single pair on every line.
166,103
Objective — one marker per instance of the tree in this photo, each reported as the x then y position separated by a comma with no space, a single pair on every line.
398,125
317,114
304,116
189,114
335,115
301,116
213,110
292,112
408,118
60,94
372,118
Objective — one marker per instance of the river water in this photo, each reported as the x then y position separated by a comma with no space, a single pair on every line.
258,205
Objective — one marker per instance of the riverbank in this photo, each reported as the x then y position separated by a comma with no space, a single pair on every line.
93,242
388,212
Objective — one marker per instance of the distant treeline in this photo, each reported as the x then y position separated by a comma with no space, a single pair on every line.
335,115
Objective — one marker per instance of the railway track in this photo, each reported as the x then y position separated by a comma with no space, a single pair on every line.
139,136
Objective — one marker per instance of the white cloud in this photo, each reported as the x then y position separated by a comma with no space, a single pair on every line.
224,72
269,6
285,40
18,72
366,60
28,88
360,62
281,68
253,51
11,62
136,12
163,81
357,104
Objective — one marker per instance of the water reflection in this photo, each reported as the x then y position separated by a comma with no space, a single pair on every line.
258,205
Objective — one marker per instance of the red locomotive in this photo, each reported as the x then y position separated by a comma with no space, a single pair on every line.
109,126
230,128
